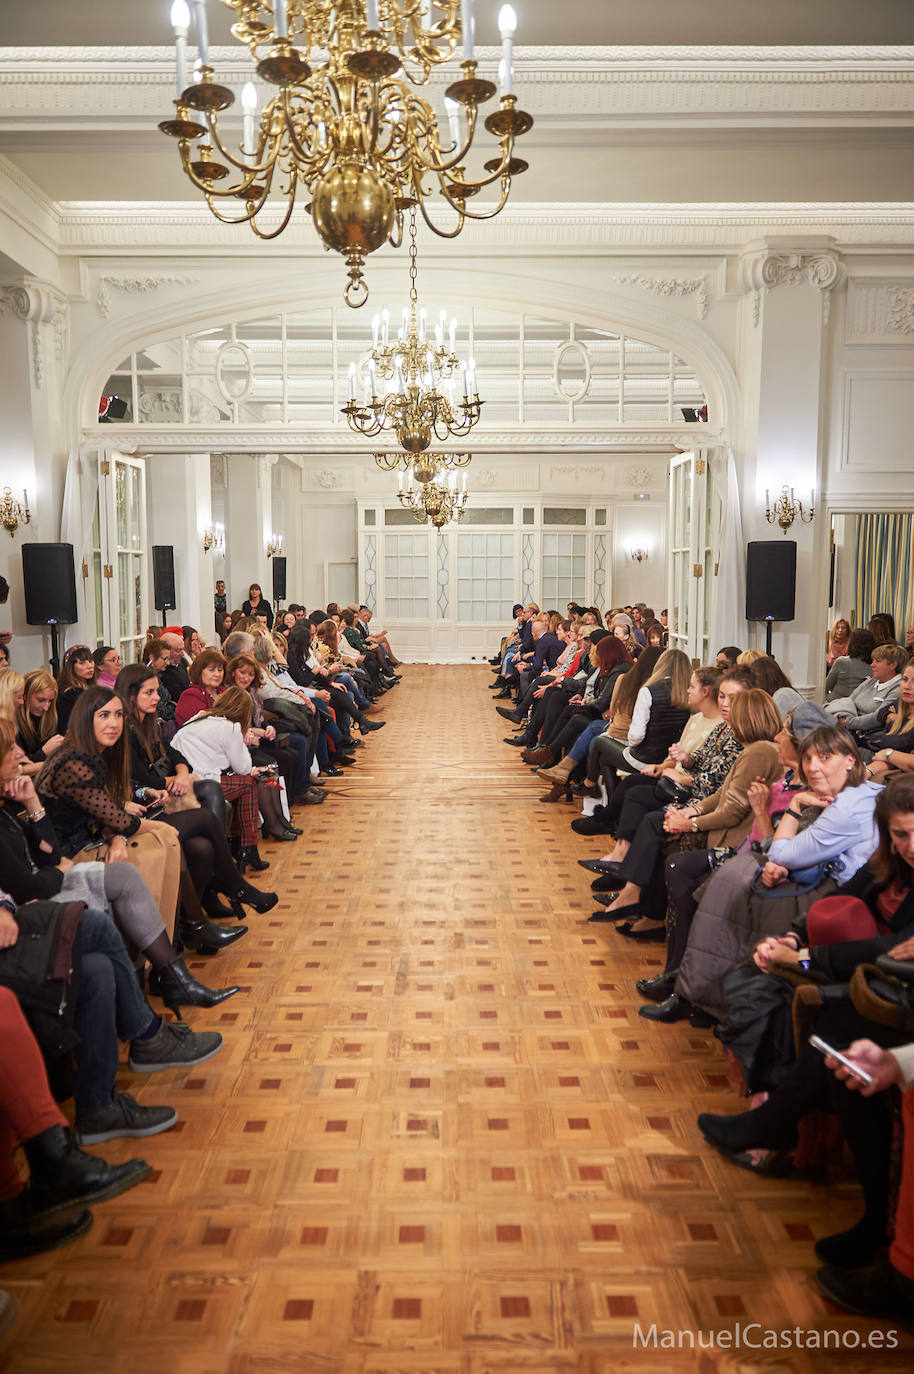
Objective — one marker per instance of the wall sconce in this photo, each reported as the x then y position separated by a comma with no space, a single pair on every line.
639,555
274,547
12,514
214,538
787,508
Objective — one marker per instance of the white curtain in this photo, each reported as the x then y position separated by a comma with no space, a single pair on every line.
728,599
76,520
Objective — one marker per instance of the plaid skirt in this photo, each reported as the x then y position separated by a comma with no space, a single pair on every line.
241,791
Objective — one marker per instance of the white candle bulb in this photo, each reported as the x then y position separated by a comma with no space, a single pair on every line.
507,23
385,321
372,8
767,501
453,119
453,333
248,106
463,369
466,24
471,375
405,315
202,31
352,381
375,330
180,22
423,318
439,336
400,480
280,19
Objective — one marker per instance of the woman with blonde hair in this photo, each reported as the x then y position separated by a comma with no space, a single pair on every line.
750,656
839,637
36,721
12,693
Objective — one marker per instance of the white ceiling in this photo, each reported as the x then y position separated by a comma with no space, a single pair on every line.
114,23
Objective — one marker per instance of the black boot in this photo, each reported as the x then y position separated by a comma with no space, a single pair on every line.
213,906
62,1176
205,938
21,1234
252,897
251,859
178,988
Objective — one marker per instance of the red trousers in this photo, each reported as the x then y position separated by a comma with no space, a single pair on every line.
26,1105
901,1253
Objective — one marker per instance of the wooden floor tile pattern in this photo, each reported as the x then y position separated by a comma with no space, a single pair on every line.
439,1137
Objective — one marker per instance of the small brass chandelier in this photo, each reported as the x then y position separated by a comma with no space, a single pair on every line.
12,512
347,122
417,398
787,508
435,499
424,466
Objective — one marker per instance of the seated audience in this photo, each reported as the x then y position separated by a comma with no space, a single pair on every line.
851,669
838,641
77,673
36,721
107,665
859,712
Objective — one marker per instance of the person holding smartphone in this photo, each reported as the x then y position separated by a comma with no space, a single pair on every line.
887,1291
887,888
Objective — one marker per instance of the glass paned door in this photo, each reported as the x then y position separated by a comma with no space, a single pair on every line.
690,554
122,554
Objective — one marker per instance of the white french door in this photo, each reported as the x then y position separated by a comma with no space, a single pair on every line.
691,564
120,554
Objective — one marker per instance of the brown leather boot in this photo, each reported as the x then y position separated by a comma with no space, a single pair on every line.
541,756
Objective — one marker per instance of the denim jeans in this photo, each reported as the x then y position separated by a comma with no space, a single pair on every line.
347,681
109,1005
578,750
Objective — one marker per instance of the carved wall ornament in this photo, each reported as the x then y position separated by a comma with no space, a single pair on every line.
577,472
671,286
136,286
900,314
640,477
38,304
329,479
764,270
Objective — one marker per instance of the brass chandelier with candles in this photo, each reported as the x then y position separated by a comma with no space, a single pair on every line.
346,122
434,498
415,373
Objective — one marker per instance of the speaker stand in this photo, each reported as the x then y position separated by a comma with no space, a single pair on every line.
768,623
55,652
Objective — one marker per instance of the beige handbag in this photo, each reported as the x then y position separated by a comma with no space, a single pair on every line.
156,854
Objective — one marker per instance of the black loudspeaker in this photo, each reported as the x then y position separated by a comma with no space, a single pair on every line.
163,577
279,579
771,579
50,584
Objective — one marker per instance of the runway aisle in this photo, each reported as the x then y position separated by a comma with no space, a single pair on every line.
439,1137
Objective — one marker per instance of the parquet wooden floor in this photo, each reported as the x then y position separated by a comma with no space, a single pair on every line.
438,1138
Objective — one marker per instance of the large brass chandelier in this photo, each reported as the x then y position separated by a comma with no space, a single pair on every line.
433,497
415,374
347,122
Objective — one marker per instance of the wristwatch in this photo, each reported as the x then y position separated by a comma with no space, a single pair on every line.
694,823
888,754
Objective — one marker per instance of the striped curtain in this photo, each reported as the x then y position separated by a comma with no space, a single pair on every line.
882,567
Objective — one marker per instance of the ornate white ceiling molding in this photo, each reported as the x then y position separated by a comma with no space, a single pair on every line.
122,88
315,442
184,229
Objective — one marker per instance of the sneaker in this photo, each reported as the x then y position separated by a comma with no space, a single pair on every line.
123,1118
174,1046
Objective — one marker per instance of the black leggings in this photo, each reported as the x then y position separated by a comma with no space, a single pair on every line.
684,872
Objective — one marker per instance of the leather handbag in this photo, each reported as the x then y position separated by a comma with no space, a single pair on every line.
887,1001
671,792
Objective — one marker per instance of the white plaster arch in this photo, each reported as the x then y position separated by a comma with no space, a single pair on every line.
664,323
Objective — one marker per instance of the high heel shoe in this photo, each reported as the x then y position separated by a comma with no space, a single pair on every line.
283,837
254,898
205,938
178,988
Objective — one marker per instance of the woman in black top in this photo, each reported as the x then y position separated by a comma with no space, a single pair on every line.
33,868
255,604
158,769
77,673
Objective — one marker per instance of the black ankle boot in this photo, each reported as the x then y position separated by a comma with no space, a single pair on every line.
856,1248
250,857
205,938
212,905
254,898
61,1175
178,988
22,1234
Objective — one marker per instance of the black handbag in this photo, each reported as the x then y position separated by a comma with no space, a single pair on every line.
42,970
669,791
